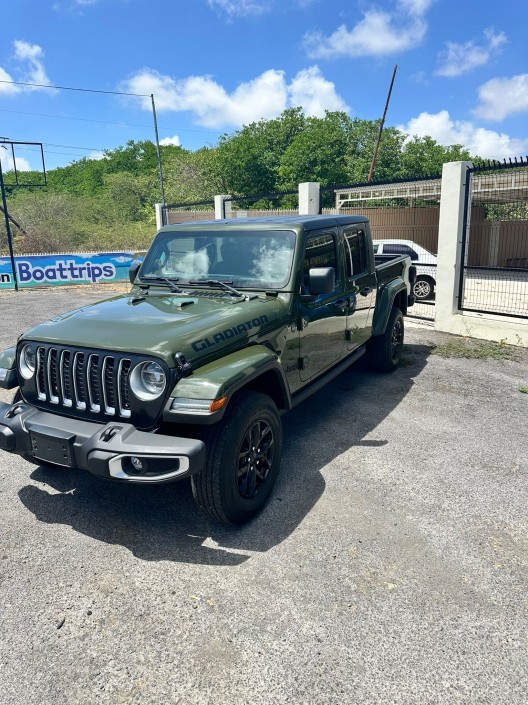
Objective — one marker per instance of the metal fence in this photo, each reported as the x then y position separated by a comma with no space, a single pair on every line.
263,204
252,206
187,212
494,276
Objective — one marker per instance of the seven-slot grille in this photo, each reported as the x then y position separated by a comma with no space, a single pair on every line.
84,381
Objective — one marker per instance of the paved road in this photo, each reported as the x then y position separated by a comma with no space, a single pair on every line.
390,566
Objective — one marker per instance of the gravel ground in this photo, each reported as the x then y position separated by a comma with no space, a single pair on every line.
390,566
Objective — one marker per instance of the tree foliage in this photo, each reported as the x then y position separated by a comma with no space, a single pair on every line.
100,202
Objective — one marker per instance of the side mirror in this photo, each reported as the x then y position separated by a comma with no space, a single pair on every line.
322,280
133,270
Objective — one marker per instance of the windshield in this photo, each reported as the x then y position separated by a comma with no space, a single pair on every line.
245,258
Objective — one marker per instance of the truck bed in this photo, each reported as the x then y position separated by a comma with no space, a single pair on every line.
390,266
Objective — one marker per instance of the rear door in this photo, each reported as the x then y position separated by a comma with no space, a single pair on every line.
322,321
361,286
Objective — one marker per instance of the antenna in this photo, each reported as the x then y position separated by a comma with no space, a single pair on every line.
374,156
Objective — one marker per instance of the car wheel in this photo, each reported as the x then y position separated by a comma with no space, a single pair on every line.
423,289
386,350
243,460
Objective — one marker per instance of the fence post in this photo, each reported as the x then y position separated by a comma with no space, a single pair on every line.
309,198
159,215
450,230
222,207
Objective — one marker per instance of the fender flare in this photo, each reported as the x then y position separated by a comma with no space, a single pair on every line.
385,304
8,362
224,377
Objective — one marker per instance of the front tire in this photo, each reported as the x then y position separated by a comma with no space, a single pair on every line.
386,350
243,460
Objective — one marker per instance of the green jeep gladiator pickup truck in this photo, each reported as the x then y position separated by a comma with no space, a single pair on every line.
228,324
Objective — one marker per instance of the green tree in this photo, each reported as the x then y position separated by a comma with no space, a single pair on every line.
317,153
247,162
190,176
423,156
362,138
83,178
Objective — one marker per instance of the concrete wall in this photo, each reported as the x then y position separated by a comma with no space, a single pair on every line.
447,316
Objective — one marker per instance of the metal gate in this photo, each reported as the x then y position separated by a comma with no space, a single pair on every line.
494,271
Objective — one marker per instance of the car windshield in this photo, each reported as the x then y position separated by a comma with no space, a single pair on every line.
251,259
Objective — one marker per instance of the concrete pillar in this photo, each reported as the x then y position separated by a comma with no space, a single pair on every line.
222,207
309,198
159,215
494,244
448,318
452,203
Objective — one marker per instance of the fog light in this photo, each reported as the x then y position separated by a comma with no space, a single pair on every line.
136,463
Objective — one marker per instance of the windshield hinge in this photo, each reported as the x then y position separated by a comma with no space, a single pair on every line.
184,367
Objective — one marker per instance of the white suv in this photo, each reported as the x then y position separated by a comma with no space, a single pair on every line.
424,261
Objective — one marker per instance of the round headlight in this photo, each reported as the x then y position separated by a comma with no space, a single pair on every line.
28,361
148,380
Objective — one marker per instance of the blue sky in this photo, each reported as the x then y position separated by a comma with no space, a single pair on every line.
214,65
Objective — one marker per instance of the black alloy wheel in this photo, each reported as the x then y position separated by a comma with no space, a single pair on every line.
255,459
243,459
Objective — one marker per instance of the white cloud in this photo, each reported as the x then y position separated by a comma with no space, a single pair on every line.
31,69
239,8
73,4
167,141
7,88
314,93
502,97
379,33
96,155
32,54
458,59
6,158
264,97
478,140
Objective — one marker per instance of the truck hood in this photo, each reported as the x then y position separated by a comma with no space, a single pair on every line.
161,325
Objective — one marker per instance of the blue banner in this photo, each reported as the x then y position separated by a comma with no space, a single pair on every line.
61,269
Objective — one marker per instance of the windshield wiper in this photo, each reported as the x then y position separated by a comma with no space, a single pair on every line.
217,282
169,282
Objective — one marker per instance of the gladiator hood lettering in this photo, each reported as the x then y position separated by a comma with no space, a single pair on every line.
160,320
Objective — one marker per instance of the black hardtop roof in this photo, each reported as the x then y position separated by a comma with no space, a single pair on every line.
271,222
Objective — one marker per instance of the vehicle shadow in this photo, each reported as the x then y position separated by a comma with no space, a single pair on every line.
162,523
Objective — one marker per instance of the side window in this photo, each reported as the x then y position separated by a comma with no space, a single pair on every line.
356,252
400,250
320,252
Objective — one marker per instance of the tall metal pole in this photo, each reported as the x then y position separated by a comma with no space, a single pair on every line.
374,157
8,228
160,170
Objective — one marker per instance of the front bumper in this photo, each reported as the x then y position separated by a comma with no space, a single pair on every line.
106,450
